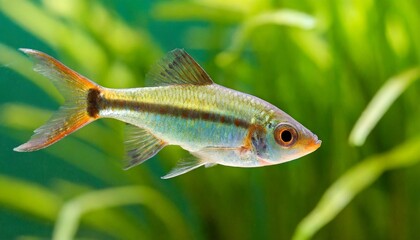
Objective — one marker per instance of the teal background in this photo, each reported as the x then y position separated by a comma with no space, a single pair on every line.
320,61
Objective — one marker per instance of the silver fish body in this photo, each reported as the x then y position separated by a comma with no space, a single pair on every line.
184,107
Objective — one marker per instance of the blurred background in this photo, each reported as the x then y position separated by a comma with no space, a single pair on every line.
347,70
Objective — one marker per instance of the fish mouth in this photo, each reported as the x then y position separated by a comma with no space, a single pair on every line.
314,144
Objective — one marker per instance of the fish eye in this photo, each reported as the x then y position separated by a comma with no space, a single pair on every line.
285,135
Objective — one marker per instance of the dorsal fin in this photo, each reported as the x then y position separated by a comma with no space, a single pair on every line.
140,145
177,68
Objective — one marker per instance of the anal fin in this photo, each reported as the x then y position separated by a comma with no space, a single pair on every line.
184,166
140,145
207,165
207,157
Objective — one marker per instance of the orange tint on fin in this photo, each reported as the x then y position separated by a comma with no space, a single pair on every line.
65,80
60,125
80,106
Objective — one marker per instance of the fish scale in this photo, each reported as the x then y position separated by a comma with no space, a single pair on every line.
182,106
190,99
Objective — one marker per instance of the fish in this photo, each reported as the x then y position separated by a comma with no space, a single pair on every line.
180,105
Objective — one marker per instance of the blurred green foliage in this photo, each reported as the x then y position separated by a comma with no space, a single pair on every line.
329,64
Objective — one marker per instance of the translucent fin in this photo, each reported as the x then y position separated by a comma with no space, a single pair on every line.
184,166
70,84
208,165
140,145
61,124
80,105
177,68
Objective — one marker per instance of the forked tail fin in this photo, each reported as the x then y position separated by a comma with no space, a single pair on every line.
80,107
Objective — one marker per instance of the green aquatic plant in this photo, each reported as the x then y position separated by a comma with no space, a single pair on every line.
363,174
73,210
346,69
380,103
359,177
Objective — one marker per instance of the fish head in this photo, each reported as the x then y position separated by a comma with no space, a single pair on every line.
287,140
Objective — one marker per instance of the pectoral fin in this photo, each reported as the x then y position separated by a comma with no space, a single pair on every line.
140,145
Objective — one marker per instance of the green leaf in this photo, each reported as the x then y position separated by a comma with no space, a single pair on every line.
358,178
116,222
56,33
380,103
73,210
203,10
283,17
45,204
15,194
21,64
131,48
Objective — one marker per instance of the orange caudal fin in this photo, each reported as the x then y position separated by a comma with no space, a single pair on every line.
80,107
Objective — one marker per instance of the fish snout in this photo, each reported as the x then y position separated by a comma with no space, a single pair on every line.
313,144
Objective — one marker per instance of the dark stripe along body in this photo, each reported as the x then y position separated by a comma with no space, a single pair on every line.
188,115
181,107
